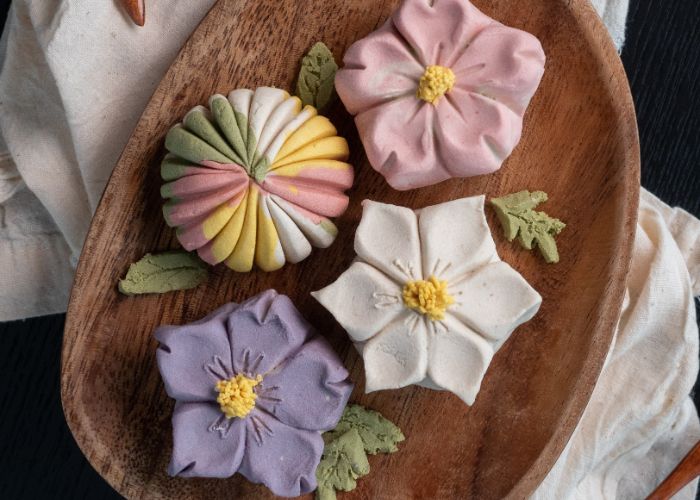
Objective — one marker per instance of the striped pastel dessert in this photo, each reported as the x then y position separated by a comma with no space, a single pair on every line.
254,179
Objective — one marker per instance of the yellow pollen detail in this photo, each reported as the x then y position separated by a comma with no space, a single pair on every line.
435,83
236,395
430,297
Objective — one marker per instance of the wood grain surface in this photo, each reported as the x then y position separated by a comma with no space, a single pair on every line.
579,144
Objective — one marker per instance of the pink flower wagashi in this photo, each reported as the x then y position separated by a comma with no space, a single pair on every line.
255,178
439,91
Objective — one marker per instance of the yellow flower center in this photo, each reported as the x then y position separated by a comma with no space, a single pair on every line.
236,395
435,83
430,297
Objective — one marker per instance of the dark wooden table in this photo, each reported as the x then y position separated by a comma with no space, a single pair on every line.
38,457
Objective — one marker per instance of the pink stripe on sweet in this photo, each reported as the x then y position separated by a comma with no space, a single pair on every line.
233,167
329,178
307,214
326,202
440,29
504,64
377,68
193,208
192,236
206,254
202,183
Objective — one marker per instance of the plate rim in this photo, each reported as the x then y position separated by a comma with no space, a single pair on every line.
600,42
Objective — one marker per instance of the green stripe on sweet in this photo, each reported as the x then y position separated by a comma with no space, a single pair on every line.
225,118
167,208
251,144
196,121
173,167
190,147
329,227
166,191
260,168
242,121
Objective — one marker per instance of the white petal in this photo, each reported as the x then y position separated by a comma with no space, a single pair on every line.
387,238
494,300
363,300
296,246
398,355
455,238
458,359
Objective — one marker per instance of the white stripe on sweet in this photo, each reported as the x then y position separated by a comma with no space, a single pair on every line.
316,233
296,246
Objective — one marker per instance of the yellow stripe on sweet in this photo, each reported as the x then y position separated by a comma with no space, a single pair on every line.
296,169
269,255
329,148
224,242
241,259
273,149
312,130
218,219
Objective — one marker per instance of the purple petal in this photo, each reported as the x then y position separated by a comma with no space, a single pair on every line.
282,458
193,357
265,331
310,390
205,443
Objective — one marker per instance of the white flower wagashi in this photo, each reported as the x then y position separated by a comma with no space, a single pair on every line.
254,179
428,301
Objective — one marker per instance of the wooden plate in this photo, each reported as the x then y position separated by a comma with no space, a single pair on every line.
579,144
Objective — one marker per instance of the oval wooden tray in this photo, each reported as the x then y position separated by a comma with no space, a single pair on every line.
579,144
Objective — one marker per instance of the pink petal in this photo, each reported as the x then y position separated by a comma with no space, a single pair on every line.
436,30
474,134
400,144
505,64
377,68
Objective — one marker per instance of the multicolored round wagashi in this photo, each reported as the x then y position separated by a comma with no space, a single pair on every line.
254,179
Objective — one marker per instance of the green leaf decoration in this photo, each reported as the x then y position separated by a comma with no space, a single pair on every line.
359,432
316,82
518,218
378,434
164,272
344,460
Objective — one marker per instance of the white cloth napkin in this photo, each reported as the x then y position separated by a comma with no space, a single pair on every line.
76,77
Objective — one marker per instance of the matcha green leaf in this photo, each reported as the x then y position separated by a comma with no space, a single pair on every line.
377,433
360,431
518,217
164,272
344,460
315,85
